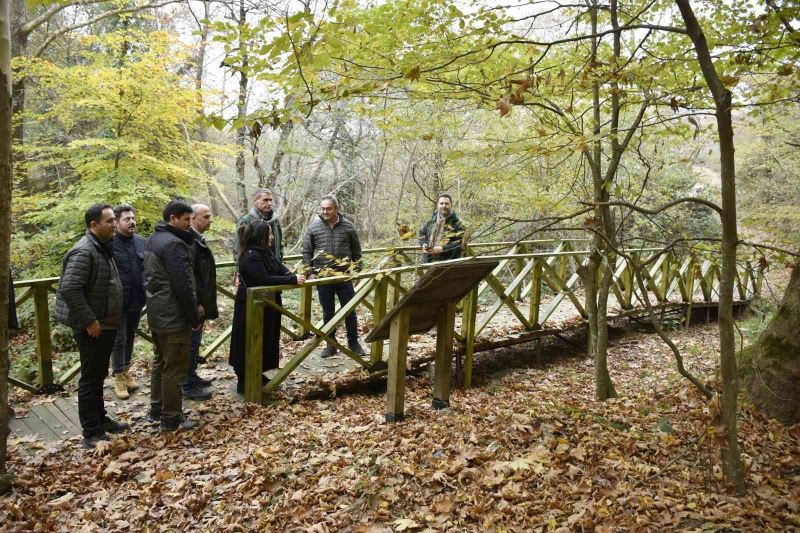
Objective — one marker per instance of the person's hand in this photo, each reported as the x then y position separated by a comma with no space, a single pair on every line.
201,310
93,329
425,247
311,276
301,279
437,249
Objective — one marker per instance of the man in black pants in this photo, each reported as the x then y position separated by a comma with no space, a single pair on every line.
331,247
89,300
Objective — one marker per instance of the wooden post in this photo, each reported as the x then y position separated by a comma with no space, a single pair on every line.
519,264
444,356
396,294
44,348
396,380
468,331
536,293
378,312
253,367
305,309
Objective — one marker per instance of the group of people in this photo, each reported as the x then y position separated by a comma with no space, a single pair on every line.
112,273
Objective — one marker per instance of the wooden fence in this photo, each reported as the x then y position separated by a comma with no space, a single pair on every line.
532,280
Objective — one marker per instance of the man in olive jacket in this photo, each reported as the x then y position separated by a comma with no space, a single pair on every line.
172,312
89,300
442,236
205,278
261,210
330,247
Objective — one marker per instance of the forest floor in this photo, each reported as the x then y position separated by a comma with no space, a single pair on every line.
528,448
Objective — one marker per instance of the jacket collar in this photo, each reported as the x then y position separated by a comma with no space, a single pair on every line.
452,217
258,214
198,237
338,220
103,247
185,236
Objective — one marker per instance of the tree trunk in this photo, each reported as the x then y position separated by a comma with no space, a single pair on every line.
241,133
731,458
19,48
275,171
5,231
774,384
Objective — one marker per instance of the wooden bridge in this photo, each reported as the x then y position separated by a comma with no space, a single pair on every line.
533,281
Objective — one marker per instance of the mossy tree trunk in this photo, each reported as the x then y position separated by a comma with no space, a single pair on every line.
774,383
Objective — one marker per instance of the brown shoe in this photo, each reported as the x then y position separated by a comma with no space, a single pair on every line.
130,383
120,388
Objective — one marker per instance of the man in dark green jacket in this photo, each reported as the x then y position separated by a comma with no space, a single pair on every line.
442,236
89,300
172,312
261,210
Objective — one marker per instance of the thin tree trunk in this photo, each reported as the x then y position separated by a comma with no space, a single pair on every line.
19,48
241,133
280,152
5,231
731,458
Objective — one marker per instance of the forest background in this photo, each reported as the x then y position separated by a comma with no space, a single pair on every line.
542,119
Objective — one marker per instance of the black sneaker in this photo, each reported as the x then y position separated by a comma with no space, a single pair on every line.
153,418
113,426
182,425
197,394
357,349
90,442
329,351
202,382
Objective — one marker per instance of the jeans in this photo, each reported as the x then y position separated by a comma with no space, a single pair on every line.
123,344
95,354
194,351
345,292
170,364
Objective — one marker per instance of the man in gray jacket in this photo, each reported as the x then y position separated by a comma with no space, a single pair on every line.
89,300
331,247
172,312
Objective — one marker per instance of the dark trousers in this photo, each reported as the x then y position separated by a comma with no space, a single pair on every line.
123,344
194,351
95,354
345,292
170,364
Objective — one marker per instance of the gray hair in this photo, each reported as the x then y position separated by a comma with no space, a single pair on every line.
258,192
331,198
197,207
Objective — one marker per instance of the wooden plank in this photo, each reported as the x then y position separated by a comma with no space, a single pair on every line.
444,357
24,295
70,374
69,408
253,368
53,423
379,311
396,381
21,384
305,308
39,427
219,341
44,348
468,317
63,420
535,300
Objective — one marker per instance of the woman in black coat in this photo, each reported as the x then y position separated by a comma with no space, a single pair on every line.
258,267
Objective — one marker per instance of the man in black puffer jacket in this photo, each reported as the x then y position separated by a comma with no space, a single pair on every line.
205,279
172,312
89,300
331,247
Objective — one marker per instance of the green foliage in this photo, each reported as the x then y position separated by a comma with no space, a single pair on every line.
112,128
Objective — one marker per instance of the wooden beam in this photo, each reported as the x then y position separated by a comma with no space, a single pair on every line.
396,380
378,312
254,326
444,356
468,331
44,347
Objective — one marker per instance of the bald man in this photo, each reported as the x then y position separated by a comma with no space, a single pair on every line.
205,276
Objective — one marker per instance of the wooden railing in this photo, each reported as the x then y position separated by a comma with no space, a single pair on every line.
540,272
545,279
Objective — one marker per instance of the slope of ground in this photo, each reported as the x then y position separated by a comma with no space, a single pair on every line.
527,449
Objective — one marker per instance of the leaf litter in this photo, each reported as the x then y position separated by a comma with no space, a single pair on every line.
526,449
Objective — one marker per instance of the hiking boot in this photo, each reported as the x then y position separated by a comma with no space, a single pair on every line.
113,426
121,387
182,425
196,393
356,348
130,382
90,442
329,351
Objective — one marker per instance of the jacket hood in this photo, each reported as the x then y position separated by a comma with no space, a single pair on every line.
185,236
